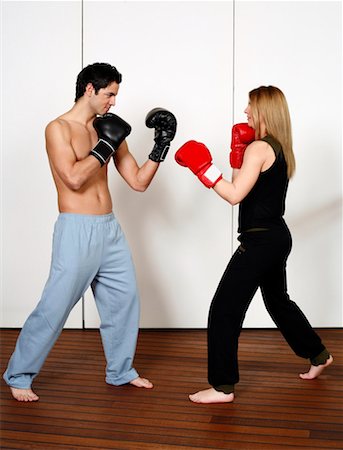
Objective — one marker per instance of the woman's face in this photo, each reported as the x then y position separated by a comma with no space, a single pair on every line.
250,119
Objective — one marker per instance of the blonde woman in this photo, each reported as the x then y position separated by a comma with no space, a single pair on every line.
263,162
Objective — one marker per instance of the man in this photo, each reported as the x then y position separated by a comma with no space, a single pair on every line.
89,248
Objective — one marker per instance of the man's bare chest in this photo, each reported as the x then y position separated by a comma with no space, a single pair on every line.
83,139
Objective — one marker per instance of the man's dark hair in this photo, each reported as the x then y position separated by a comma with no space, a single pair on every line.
99,74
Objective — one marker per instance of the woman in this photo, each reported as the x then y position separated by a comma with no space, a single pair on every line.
263,162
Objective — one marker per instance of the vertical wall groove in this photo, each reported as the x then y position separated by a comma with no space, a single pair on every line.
82,62
82,11
233,100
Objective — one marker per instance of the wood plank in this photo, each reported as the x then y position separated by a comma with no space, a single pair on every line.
274,408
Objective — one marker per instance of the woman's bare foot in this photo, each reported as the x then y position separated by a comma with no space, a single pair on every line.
24,395
211,396
142,382
315,371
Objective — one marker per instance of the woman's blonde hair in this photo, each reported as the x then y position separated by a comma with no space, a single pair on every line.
268,104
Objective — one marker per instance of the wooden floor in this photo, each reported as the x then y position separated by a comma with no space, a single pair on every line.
273,409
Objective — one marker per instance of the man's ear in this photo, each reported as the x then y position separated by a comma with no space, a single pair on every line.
89,89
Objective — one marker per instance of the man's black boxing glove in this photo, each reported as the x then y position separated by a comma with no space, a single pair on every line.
164,123
112,130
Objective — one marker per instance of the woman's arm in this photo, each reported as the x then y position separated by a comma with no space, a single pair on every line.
244,179
196,156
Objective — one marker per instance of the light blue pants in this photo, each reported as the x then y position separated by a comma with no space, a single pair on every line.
88,250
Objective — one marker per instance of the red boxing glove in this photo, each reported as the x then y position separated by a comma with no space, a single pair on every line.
242,136
198,159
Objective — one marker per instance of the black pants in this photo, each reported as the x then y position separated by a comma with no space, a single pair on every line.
260,261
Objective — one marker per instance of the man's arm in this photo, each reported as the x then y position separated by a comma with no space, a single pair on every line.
138,178
62,157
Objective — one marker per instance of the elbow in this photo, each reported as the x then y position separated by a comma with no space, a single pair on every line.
139,188
74,183
228,192
235,197
75,187
234,202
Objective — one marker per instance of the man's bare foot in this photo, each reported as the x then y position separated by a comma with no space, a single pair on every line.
24,395
211,396
315,371
142,383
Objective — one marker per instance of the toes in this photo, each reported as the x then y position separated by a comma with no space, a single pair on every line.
142,382
193,398
24,395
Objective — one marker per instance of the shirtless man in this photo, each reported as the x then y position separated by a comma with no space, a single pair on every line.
89,248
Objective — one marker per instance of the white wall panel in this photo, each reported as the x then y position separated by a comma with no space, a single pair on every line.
176,55
41,56
297,46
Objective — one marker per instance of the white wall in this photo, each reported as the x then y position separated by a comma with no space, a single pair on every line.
297,46
173,55
178,55
41,52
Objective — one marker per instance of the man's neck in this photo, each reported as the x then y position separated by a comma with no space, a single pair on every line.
80,112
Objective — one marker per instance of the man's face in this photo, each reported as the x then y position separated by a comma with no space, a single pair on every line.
105,98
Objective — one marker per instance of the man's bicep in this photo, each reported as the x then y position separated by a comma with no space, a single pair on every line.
124,161
60,151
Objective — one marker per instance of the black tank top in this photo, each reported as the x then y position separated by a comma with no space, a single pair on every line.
264,206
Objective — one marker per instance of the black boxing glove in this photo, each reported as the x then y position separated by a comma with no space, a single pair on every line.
111,130
164,123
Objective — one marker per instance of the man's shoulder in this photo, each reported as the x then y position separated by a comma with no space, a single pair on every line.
59,124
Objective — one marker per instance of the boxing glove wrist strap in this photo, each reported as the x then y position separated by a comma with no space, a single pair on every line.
212,173
159,152
102,151
211,176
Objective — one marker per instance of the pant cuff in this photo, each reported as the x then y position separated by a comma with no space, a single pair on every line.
321,358
124,379
226,388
